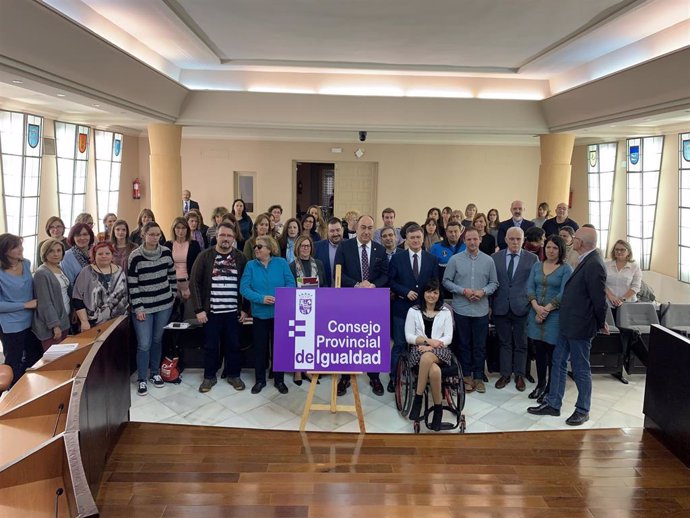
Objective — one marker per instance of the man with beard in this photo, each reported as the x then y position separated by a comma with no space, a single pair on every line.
324,250
214,284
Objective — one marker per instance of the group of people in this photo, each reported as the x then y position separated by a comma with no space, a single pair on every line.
518,273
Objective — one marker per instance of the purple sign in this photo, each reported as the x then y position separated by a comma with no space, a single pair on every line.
332,330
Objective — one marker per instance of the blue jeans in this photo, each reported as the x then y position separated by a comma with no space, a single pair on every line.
399,343
149,341
578,350
471,333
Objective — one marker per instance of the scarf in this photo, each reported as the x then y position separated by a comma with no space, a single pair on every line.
199,238
81,256
290,250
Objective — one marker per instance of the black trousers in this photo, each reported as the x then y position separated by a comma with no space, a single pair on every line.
222,331
544,353
263,348
21,349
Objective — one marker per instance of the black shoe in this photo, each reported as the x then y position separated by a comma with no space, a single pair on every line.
342,386
376,386
544,409
391,386
297,382
437,419
577,418
529,378
416,410
258,387
282,388
536,393
485,378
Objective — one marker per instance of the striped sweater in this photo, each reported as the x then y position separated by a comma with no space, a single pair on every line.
151,279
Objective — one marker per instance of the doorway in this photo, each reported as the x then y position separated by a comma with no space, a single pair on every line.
315,186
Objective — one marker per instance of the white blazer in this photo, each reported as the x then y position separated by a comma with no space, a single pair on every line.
442,329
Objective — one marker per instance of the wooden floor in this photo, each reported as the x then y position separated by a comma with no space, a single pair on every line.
170,471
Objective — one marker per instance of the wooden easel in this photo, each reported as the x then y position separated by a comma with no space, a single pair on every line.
334,407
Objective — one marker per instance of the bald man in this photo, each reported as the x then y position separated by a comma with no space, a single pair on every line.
517,208
583,313
560,220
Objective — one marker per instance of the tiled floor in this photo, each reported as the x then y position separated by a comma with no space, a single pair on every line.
614,405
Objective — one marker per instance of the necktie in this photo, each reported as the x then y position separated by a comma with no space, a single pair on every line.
511,266
186,207
365,264
415,266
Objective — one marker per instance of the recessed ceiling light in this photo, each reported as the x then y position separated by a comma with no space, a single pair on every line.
17,82
96,105
62,95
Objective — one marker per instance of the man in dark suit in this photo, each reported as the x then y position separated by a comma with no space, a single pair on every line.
516,209
364,265
583,312
408,272
510,307
325,249
187,202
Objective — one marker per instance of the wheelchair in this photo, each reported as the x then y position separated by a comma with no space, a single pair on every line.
452,393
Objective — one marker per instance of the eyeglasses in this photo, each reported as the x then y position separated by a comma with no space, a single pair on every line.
305,246
620,250
258,247
56,227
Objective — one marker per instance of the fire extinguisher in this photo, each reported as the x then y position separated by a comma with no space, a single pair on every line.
136,189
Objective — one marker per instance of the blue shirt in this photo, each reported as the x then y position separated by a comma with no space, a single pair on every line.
259,281
14,293
443,251
473,272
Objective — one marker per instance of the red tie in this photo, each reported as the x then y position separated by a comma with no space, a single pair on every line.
365,264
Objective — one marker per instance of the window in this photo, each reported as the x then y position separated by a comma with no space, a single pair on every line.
684,207
644,164
72,143
20,148
601,159
108,163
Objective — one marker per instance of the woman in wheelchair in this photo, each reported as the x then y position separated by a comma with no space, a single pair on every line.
429,331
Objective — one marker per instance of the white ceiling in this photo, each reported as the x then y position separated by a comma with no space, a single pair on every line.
505,49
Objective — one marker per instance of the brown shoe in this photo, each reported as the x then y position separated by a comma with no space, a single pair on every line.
502,382
479,386
520,383
469,384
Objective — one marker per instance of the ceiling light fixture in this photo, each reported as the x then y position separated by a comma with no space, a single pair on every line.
61,95
96,105
17,82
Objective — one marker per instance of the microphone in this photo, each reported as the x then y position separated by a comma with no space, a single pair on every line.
58,492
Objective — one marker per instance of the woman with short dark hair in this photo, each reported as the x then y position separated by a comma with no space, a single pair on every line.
20,346
80,241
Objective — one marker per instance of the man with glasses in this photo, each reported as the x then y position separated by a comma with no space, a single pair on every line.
214,284
584,303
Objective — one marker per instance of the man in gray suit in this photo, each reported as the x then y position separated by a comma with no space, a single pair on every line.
583,312
510,307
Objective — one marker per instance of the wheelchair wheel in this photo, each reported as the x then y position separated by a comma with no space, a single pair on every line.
403,386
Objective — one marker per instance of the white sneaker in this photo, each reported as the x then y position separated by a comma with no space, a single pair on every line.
143,388
157,381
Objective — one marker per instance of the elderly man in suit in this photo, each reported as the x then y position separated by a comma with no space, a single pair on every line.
364,265
516,209
325,249
583,310
510,307
188,203
408,272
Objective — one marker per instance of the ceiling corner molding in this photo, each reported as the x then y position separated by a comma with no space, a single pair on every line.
602,19
194,27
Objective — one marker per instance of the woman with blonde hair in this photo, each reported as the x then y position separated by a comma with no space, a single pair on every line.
216,217
623,275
